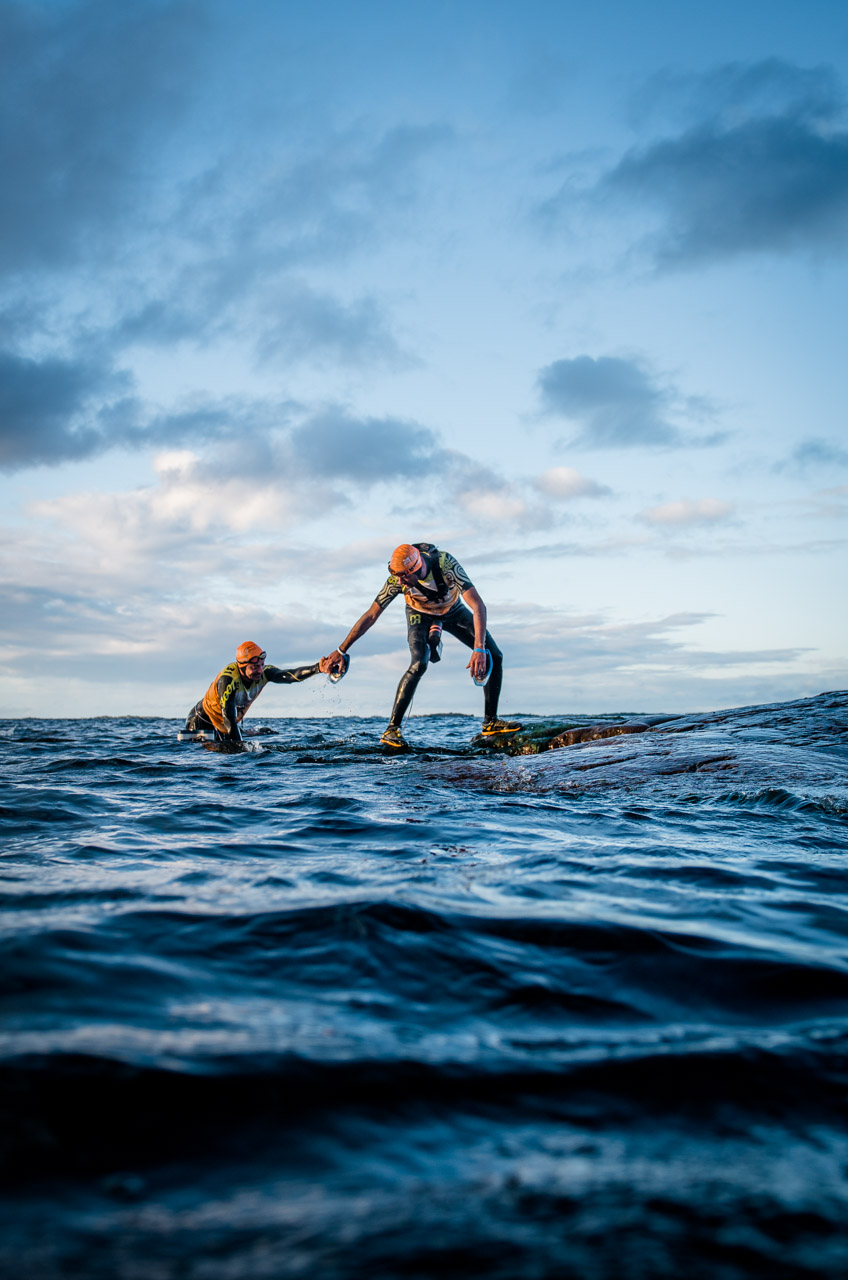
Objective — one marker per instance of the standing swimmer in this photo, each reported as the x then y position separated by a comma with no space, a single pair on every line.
434,586
228,698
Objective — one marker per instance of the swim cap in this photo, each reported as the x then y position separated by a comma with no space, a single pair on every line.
247,651
406,559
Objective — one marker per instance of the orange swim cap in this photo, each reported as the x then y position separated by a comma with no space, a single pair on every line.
406,559
245,652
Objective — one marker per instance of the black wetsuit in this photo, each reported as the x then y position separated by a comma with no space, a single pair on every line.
436,598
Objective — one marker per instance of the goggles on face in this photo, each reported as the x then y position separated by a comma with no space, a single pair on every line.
254,657
404,573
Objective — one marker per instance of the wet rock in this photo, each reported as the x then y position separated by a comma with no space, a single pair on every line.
551,735
593,732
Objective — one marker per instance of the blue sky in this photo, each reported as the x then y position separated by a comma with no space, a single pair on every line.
558,287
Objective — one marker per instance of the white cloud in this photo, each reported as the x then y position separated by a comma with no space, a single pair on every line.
493,504
688,511
564,483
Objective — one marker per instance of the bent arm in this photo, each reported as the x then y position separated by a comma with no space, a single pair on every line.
230,727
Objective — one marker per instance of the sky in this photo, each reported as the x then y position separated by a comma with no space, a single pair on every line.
558,287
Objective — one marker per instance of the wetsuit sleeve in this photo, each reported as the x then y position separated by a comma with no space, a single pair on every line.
293,675
388,591
452,567
227,689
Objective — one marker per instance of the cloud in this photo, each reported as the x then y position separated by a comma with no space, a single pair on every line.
333,444
180,525
269,464
59,410
616,403
812,454
827,504
490,500
306,323
91,93
688,511
763,169
605,547
52,411
49,408
119,133
736,91
145,639
146,654
138,210
139,615
282,318
574,647
564,483
238,264
493,505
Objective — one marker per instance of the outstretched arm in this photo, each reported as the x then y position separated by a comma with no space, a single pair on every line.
294,675
363,624
477,663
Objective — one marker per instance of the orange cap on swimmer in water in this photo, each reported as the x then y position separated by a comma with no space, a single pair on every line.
248,652
406,559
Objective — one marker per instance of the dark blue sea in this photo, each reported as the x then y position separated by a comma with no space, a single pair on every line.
305,1011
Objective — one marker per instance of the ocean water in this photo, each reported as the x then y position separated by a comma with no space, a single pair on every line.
304,1011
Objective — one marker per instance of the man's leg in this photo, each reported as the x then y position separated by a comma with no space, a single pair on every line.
460,623
418,625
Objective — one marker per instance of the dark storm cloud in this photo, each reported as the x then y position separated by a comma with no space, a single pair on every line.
614,402
764,167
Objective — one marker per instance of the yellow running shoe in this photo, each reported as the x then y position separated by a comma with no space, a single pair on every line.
392,738
496,726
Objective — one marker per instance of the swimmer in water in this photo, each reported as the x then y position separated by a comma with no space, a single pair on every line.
231,694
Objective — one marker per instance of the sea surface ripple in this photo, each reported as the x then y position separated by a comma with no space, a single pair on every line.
306,1011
